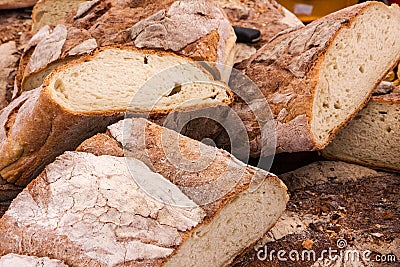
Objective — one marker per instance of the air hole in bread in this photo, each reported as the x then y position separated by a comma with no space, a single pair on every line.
340,90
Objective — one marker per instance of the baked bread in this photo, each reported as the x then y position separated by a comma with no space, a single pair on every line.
81,99
52,12
15,260
106,224
267,16
318,77
12,4
371,138
143,24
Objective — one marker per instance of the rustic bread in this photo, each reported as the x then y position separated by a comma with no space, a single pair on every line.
371,138
316,78
15,260
267,16
187,229
82,98
12,4
52,12
144,24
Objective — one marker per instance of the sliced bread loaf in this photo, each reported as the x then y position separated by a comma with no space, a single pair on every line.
15,260
115,217
52,12
152,24
82,98
372,137
318,77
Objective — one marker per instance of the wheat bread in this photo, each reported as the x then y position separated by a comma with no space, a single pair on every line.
80,99
318,77
371,138
141,231
143,24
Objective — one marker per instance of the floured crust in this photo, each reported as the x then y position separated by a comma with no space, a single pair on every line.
15,260
145,24
46,191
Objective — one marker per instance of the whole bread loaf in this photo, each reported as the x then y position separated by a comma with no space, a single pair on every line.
317,77
199,207
198,29
371,138
81,99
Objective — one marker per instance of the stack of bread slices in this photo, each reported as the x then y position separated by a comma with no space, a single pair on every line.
105,185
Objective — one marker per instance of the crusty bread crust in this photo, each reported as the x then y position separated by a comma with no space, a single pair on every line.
267,16
13,4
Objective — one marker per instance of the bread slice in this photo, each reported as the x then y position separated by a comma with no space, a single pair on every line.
8,65
15,260
371,138
13,4
80,99
105,224
318,77
151,24
52,12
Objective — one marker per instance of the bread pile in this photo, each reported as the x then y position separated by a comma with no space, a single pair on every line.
104,189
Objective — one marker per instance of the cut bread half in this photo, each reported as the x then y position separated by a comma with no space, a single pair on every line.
83,97
52,12
318,77
371,138
152,24
15,260
111,219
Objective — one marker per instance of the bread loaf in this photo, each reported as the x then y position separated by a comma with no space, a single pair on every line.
144,24
112,220
82,98
371,138
15,260
12,4
318,77
52,12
